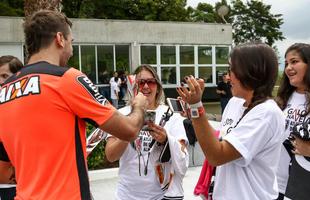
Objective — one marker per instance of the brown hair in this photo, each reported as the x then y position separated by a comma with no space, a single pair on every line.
256,67
41,28
14,63
160,96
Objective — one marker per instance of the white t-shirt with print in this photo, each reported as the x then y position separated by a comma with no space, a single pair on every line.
258,138
131,185
114,88
293,114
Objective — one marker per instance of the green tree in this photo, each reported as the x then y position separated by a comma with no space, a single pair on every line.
12,8
254,21
155,10
204,12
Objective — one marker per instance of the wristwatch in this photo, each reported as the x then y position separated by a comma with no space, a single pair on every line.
197,110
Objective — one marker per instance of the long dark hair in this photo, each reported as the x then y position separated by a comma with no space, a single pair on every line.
286,89
160,96
256,67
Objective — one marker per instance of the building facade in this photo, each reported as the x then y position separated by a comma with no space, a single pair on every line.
175,49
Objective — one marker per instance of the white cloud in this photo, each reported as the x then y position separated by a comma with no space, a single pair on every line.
296,16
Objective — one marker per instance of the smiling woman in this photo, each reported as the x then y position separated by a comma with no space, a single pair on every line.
153,166
294,99
249,151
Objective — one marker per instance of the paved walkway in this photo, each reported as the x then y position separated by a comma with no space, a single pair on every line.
103,185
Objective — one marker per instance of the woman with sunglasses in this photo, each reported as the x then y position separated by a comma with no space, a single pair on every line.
153,166
252,127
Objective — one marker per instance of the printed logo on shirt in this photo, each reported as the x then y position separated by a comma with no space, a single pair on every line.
227,125
295,116
143,141
21,88
91,89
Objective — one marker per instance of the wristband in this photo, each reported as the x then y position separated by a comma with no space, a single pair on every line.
196,105
197,112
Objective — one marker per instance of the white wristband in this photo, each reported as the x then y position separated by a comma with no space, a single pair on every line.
196,105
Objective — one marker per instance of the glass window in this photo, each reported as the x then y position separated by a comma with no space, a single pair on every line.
219,73
168,75
122,57
105,64
88,61
148,54
74,60
185,71
186,55
205,73
222,55
167,54
204,55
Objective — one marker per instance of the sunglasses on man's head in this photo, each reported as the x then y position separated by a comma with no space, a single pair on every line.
151,82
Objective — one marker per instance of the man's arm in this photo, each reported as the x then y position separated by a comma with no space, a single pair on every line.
127,127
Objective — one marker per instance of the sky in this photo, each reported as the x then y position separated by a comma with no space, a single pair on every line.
296,18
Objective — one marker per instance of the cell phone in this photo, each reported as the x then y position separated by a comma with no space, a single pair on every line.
150,116
175,105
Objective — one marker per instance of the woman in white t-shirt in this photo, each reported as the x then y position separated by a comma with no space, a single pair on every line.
153,166
252,126
294,100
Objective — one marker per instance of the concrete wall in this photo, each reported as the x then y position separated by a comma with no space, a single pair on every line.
124,31
134,33
14,49
11,30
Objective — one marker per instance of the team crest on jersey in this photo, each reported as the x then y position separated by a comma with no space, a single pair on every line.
91,89
21,88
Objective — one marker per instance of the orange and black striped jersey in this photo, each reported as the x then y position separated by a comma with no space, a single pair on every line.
42,127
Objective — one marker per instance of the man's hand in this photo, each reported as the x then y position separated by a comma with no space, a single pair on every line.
140,101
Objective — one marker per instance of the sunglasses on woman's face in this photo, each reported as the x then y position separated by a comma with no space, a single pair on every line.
151,82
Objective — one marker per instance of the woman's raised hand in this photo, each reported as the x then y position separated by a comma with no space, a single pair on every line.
194,92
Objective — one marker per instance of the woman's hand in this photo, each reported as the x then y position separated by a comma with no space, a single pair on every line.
194,92
157,132
301,147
